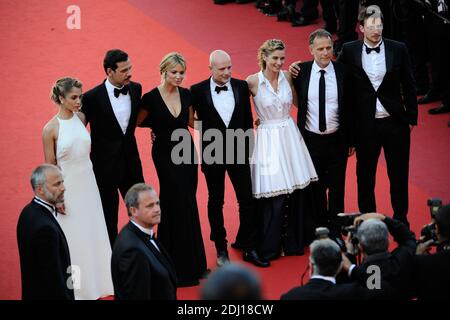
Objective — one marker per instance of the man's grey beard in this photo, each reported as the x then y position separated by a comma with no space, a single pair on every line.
51,198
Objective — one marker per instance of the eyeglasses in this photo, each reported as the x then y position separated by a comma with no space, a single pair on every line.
377,27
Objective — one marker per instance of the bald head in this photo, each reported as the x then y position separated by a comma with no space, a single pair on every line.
220,65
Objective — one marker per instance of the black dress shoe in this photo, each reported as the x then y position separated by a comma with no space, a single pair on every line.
205,274
443,108
253,257
300,22
222,1
222,258
429,97
331,28
236,245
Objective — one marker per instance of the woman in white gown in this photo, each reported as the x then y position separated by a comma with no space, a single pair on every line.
280,165
67,144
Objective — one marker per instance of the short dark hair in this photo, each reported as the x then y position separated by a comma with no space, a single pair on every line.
132,196
442,219
372,11
112,57
232,282
319,33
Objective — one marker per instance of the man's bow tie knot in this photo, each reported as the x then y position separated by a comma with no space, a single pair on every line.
123,91
369,50
218,89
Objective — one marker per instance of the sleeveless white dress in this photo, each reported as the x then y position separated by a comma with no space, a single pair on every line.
280,162
84,223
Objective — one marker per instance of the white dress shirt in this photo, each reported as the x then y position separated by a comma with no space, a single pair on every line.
147,231
374,64
331,279
121,105
50,207
331,100
223,101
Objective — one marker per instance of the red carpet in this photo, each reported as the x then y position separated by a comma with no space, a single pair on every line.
36,48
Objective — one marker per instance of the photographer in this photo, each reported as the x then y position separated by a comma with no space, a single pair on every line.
325,262
394,267
432,271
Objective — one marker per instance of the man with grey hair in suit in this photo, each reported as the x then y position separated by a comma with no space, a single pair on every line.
373,242
325,262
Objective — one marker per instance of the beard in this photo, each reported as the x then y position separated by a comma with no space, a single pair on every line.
53,198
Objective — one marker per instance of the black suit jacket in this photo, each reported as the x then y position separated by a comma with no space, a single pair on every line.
431,276
319,289
301,85
397,92
44,255
139,270
112,151
396,266
242,118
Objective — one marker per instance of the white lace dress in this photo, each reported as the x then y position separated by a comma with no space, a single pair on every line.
280,162
84,223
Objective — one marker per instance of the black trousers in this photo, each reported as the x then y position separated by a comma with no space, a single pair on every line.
109,194
329,155
240,178
310,12
394,138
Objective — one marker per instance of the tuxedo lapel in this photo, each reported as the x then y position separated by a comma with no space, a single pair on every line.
162,255
389,55
358,54
135,99
339,83
236,95
54,220
104,99
305,84
210,103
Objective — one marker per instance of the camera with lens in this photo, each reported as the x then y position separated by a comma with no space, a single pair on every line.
345,221
429,231
324,233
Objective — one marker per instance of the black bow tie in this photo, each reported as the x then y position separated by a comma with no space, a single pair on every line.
123,91
376,49
218,89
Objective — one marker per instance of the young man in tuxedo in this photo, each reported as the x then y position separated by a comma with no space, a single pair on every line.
223,103
43,250
141,267
322,121
384,110
111,108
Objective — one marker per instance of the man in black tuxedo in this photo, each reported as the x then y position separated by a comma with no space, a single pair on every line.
432,271
325,263
222,105
321,118
43,250
395,267
111,108
384,110
141,268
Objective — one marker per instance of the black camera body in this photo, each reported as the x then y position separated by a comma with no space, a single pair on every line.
429,231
